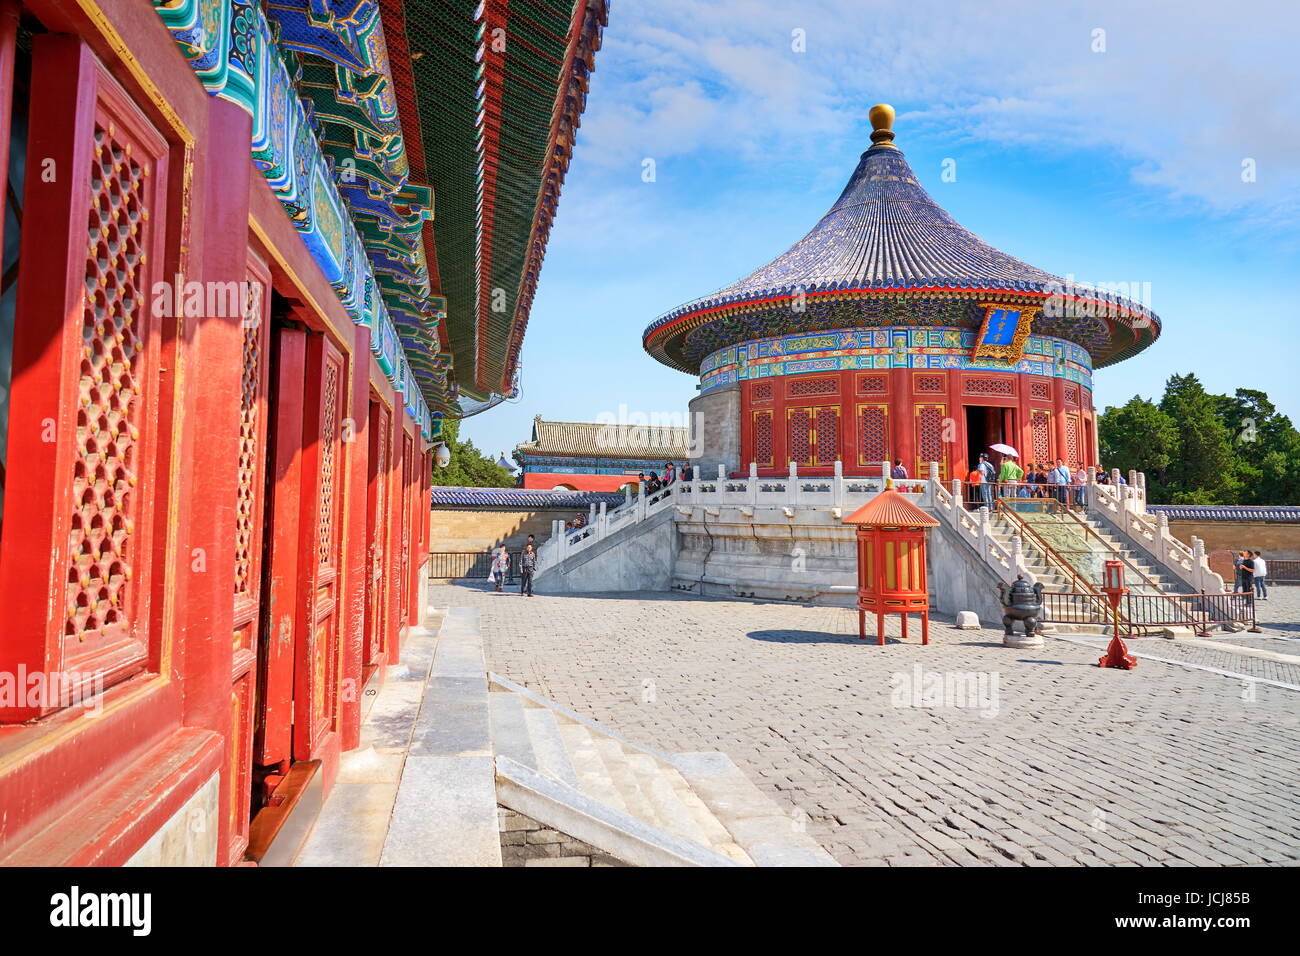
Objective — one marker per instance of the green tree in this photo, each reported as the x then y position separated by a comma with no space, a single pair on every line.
469,467
1139,436
1267,448
1205,468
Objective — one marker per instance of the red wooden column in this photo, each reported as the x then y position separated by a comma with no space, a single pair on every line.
216,371
357,454
396,609
1058,420
903,415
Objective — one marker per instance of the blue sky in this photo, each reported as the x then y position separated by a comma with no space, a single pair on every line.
1123,163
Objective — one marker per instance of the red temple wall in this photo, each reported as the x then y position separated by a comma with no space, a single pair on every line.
863,417
187,694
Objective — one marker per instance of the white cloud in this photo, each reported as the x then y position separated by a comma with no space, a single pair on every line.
1184,92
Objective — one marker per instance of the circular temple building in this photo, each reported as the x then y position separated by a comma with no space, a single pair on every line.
891,332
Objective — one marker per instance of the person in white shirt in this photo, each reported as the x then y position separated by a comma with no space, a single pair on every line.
1261,572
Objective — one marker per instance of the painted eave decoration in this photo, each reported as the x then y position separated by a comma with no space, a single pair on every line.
364,111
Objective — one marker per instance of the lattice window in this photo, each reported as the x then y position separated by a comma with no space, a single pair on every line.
873,434
1071,395
250,431
1040,424
1072,439
104,508
991,386
813,386
930,384
762,392
329,434
763,439
799,430
1040,390
827,433
929,436
871,385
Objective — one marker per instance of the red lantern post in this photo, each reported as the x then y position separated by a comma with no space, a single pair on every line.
891,562
1117,654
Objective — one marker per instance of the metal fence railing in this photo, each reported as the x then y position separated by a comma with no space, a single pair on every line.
1283,572
451,565
1201,611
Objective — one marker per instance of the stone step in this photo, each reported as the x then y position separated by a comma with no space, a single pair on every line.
594,779
548,744
625,779
661,785
577,813
510,735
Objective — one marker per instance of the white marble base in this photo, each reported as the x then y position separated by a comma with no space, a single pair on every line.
1021,639
968,621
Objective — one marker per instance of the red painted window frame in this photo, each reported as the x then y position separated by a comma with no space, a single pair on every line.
71,90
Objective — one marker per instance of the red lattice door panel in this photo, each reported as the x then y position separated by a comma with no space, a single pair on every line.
317,643
873,434
812,435
82,499
1073,458
931,441
249,529
378,530
1040,435
762,452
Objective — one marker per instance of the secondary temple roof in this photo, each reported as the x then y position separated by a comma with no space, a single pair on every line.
887,254
606,440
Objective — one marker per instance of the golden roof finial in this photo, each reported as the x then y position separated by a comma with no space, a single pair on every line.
882,122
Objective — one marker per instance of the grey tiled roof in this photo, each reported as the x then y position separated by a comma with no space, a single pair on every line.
1278,513
597,439
457,497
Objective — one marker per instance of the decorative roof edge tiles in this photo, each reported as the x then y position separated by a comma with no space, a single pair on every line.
458,497
1282,514
229,45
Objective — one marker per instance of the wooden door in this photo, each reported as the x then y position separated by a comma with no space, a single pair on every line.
378,531
249,527
320,534
274,732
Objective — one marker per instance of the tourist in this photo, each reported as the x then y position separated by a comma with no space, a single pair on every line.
1037,479
1060,477
1009,476
500,565
688,473
974,487
898,470
527,567
652,483
1080,486
986,485
1243,576
669,473
1261,573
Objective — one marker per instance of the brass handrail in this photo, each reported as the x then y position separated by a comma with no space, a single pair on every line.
1048,551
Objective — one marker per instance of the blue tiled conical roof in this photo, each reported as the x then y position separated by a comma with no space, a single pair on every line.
885,234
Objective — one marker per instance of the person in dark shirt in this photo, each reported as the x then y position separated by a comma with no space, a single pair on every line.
527,568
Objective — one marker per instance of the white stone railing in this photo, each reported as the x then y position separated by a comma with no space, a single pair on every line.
835,492
976,529
1124,506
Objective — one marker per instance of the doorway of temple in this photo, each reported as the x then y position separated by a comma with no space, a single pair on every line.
987,425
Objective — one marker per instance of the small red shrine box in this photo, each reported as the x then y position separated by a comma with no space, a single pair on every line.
891,562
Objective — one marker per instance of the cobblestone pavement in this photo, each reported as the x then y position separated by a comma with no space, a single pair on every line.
1056,762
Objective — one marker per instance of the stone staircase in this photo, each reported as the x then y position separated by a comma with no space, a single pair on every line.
1048,571
632,802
